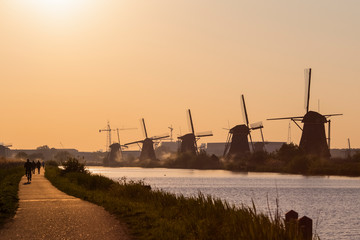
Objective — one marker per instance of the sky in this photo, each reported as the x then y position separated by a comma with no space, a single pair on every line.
67,67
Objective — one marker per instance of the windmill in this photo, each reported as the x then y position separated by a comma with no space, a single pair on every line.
147,150
237,142
114,149
189,141
313,138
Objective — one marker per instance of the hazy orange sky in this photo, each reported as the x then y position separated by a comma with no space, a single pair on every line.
67,67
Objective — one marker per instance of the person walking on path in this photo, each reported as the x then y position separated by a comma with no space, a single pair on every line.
38,165
43,164
28,169
33,166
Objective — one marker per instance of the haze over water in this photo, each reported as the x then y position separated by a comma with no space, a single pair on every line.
332,202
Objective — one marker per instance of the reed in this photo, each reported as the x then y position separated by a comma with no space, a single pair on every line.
155,214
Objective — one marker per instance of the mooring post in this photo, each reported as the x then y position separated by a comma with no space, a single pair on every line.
291,221
305,227
291,216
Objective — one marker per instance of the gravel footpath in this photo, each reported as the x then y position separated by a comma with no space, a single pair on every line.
46,213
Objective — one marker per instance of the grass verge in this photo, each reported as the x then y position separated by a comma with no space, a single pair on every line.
155,214
10,176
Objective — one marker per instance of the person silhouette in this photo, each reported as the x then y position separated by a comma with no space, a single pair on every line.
38,165
28,169
33,166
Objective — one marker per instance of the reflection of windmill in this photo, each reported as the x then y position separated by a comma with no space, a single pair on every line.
147,150
189,141
313,138
237,141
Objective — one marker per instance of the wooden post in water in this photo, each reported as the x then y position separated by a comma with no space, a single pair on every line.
291,221
291,216
305,227
302,225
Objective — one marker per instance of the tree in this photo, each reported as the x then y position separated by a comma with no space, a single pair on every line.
62,156
22,155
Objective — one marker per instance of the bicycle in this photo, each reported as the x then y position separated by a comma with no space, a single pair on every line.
28,175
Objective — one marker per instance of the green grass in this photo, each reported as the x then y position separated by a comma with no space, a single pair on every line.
155,214
10,176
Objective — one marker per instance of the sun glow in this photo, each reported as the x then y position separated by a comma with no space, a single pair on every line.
58,8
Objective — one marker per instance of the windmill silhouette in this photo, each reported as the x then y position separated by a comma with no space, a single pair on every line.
147,150
313,138
189,141
237,142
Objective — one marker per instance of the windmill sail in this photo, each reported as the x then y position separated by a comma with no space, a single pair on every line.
256,125
160,136
307,73
190,122
244,112
143,127
204,134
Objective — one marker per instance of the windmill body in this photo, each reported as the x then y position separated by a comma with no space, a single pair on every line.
313,138
147,151
239,144
114,155
188,143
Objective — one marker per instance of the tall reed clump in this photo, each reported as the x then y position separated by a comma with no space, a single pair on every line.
10,176
155,214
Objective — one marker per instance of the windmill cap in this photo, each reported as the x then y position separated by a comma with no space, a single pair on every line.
314,117
239,129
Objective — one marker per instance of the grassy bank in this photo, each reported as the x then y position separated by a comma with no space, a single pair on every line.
10,176
154,214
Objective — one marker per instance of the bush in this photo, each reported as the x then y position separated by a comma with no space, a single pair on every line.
52,163
288,152
73,165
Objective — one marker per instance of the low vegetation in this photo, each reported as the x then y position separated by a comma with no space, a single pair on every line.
10,176
288,159
155,214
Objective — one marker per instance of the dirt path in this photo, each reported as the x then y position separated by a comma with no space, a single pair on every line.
46,213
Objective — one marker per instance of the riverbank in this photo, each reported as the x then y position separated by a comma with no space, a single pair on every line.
289,159
155,214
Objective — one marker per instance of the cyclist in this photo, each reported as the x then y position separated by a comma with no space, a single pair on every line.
28,169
